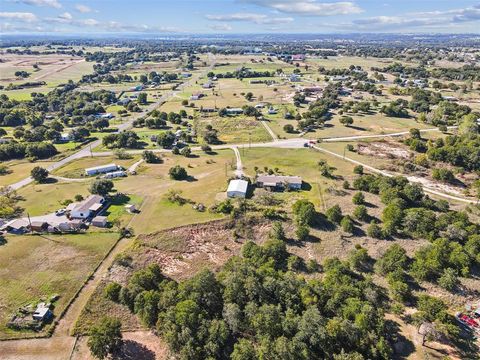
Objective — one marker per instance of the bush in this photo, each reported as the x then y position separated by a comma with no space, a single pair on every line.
361,213
112,291
347,224
358,198
358,169
334,214
302,232
304,212
449,279
39,174
150,157
177,173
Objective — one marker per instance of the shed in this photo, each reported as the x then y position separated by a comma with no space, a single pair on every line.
39,226
42,312
237,189
130,208
280,182
99,221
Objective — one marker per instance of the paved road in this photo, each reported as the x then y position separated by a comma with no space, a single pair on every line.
86,150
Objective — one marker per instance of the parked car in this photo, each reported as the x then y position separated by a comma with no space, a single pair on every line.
60,212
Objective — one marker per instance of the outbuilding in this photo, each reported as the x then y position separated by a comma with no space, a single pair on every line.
278,182
130,208
102,169
99,221
237,188
39,226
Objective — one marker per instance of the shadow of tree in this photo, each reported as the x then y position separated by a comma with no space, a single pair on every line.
132,350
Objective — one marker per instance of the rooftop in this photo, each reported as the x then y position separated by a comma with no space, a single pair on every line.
238,186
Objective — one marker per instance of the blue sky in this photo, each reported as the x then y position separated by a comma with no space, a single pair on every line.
239,16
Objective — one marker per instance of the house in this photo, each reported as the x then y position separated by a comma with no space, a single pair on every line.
16,226
208,85
234,111
115,174
42,312
294,78
260,105
102,169
104,116
70,226
39,226
196,96
137,88
450,98
124,101
207,110
237,188
312,89
65,137
86,208
279,182
99,221
186,75
130,208
272,111
340,78
298,57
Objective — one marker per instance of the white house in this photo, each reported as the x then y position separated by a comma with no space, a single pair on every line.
279,182
102,169
234,111
237,189
86,208
65,137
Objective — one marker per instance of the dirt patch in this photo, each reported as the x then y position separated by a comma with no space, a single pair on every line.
446,188
384,150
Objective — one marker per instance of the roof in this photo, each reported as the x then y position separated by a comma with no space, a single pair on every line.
238,186
88,203
101,167
99,219
272,180
16,224
39,223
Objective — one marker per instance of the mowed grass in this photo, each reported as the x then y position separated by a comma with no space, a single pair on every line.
19,170
208,184
40,199
33,267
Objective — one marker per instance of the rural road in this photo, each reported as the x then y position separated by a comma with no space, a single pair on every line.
269,130
86,150
386,173
239,170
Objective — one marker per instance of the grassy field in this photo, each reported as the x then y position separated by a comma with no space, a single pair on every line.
236,129
19,169
33,267
208,184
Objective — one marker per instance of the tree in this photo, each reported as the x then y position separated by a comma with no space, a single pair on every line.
105,337
304,212
358,170
374,230
177,173
334,214
361,213
101,187
288,128
39,174
394,259
186,151
346,120
347,224
358,198
449,279
302,232
150,157
112,291
142,98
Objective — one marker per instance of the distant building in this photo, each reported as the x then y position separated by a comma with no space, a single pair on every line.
102,169
237,189
234,111
279,182
207,110
208,85
294,78
86,208
186,75
65,137
196,96
298,57
272,111
115,174
130,208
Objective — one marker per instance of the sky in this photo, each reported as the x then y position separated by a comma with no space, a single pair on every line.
239,16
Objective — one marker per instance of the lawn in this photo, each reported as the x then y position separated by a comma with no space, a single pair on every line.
19,170
33,267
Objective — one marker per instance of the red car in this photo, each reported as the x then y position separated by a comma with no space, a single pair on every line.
468,320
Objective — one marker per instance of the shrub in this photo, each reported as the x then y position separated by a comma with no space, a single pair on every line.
177,173
334,214
112,291
347,224
361,213
358,198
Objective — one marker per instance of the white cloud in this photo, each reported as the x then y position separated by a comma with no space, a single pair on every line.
66,16
250,17
220,27
19,16
49,3
309,7
82,8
